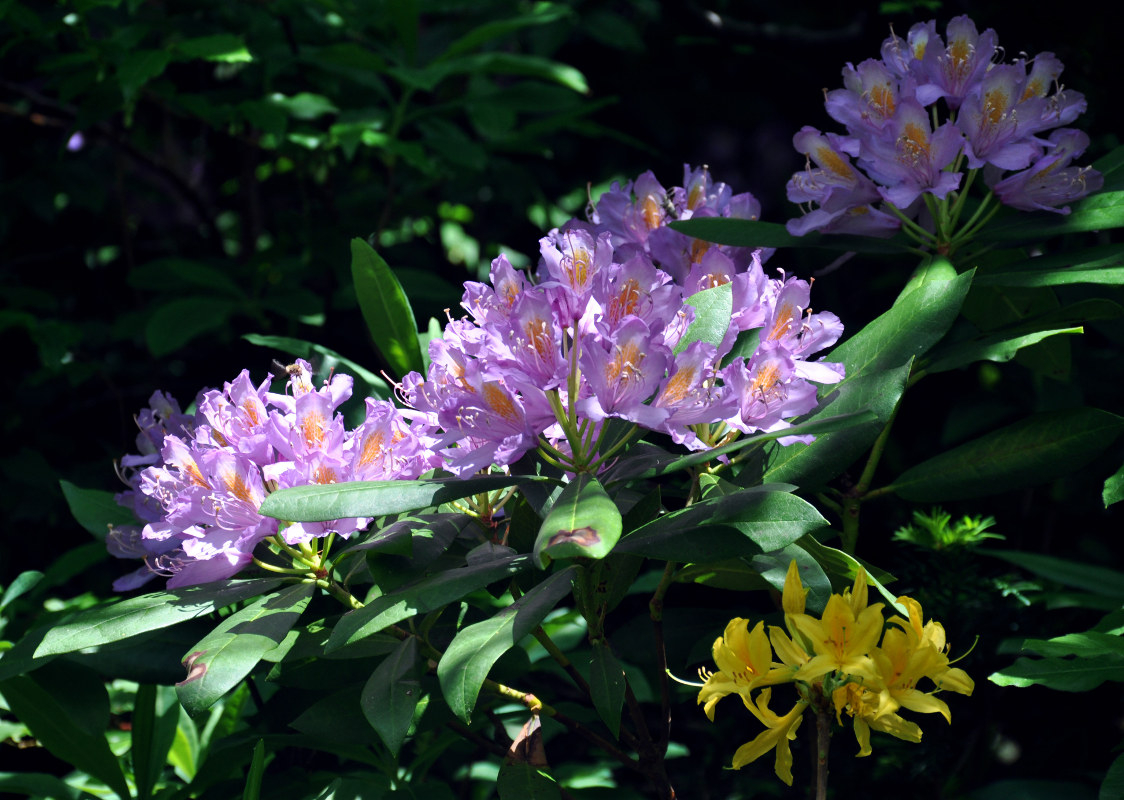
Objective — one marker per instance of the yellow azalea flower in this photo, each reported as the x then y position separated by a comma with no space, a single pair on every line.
900,668
931,634
777,734
843,637
744,660
865,706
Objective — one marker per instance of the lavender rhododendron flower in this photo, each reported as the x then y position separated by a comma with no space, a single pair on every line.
930,107
198,494
598,332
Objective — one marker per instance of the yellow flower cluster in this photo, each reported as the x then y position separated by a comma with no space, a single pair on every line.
835,661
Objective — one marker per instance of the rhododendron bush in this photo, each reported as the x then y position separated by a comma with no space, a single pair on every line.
630,475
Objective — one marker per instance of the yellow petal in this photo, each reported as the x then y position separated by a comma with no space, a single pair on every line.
923,703
955,680
794,592
858,595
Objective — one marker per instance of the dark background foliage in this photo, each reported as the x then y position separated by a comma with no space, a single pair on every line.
161,195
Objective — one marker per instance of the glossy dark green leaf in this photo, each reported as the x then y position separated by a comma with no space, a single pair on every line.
55,721
1063,674
1090,577
606,687
115,621
95,510
468,658
713,308
1083,645
876,393
255,773
220,661
326,359
754,233
583,522
36,784
773,569
379,498
1097,212
386,309
836,562
746,523
156,715
138,67
390,696
1103,264
1112,787
541,14
916,322
448,586
1034,450
997,347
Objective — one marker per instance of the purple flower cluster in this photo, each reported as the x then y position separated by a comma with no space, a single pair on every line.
596,335
538,362
199,479
896,152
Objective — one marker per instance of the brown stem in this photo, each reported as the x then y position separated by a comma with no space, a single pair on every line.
823,742
655,611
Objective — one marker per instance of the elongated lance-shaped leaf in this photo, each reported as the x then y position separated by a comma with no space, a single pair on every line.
607,687
875,395
583,521
379,498
465,665
422,597
1063,674
390,696
916,322
252,790
754,233
1103,264
115,621
225,656
156,716
95,509
1083,645
59,727
993,347
1034,450
1090,577
746,523
1097,212
653,464
386,309
1113,488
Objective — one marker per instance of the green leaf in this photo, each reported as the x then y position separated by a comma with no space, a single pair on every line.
754,233
541,14
138,68
839,563
1066,675
174,324
916,322
255,773
182,275
1112,787
304,105
713,308
429,594
876,393
1113,488
1083,645
1096,579
23,583
222,47
606,687
1099,265
1034,450
54,721
115,621
328,360
225,656
522,780
379,498
998,347
390,696
466,662
773,569
156,716
745,523
95,510
1097,212
582,522
36,784
387,311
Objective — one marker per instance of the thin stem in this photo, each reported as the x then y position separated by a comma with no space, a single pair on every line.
823,743
853,501
911,227
282,570
655,611
543,638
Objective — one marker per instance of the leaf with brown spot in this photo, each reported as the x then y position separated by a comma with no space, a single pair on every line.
583,521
